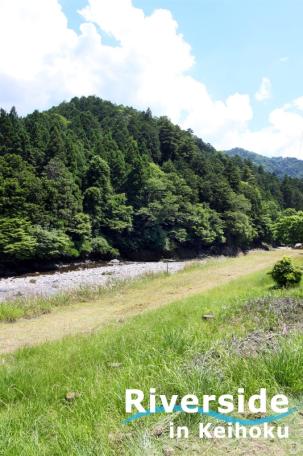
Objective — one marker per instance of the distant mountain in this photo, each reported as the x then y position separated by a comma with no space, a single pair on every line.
278,165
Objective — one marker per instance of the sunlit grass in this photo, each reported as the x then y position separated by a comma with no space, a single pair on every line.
158,349
163,286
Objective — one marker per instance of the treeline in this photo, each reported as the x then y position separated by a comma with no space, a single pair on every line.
280,166
89,178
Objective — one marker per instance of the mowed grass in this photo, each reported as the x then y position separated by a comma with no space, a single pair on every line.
34,306
168,349
194,278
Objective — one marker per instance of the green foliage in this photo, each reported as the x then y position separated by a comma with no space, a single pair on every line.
52,244
17,241
239,230
89,169
280,166
206,225
100,246
80,232
285,274
288,228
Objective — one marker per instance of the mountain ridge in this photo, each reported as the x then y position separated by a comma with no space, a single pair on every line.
91,179
280,166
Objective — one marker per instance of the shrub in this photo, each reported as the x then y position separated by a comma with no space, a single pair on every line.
52,244
102,248
285,274
16,239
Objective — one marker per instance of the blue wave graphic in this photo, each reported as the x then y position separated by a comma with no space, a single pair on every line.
217,416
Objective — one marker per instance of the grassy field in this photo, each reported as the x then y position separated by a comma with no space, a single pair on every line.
87,310
254,340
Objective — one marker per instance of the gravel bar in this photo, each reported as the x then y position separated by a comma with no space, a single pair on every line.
49,284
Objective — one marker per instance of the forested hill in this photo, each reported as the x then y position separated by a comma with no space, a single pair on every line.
288,166
89,178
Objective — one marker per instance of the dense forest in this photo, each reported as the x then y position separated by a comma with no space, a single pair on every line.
281,166
92,179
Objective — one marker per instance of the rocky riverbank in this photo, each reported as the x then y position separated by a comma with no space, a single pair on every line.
49,284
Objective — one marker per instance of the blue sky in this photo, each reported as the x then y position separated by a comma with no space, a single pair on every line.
235,45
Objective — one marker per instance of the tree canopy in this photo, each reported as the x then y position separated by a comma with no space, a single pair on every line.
90,178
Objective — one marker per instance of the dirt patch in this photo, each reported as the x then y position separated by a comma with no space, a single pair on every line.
255,343
284,315
287,312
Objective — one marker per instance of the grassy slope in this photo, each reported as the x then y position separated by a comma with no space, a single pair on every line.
87,310
157,349
162,288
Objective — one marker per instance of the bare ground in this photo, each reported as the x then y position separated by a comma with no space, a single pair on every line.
132,300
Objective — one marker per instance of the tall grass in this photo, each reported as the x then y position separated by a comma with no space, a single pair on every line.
33,306
169,349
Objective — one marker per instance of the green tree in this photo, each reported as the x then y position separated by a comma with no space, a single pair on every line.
17,241
80,231
91,178
288,229
239,230
52,244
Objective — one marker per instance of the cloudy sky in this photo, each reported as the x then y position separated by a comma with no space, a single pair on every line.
231,70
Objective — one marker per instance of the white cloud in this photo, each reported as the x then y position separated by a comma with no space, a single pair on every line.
264,92
283,136
299,103
31,33
44,61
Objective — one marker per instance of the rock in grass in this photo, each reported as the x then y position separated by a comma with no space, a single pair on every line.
208,316
158,431
71,396
115,365
168,451
285,330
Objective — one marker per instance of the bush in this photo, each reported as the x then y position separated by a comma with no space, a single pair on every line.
285,274
53,244
102,248
16,239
